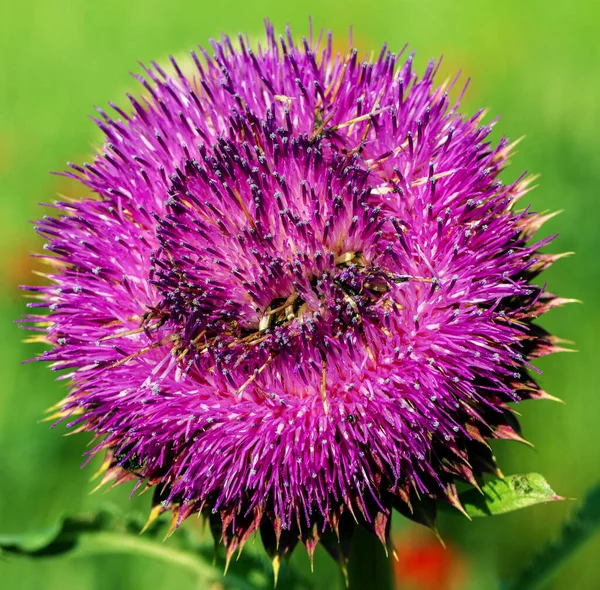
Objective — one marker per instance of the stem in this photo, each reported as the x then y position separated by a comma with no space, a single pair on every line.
110,543
122,543
546,563
368,566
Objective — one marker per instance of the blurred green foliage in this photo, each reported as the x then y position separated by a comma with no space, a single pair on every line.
537,63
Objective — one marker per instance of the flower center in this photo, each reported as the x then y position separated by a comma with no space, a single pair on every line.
347,290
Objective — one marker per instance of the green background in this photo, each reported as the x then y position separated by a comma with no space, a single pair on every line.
537,63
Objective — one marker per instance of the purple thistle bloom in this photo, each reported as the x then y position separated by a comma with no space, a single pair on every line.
300,297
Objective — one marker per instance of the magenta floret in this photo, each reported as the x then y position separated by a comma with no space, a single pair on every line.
300,293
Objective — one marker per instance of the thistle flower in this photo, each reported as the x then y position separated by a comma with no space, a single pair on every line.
300,297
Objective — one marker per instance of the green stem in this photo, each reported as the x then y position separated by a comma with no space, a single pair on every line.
122,543
368,565
551,558
111,543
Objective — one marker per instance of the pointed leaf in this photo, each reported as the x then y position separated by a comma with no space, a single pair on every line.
508,494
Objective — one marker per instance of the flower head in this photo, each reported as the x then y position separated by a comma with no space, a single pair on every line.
300,295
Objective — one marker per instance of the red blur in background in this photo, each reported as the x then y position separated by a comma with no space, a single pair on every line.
423,563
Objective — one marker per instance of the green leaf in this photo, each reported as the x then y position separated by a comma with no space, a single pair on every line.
30,543
109,532
505,495
100,533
